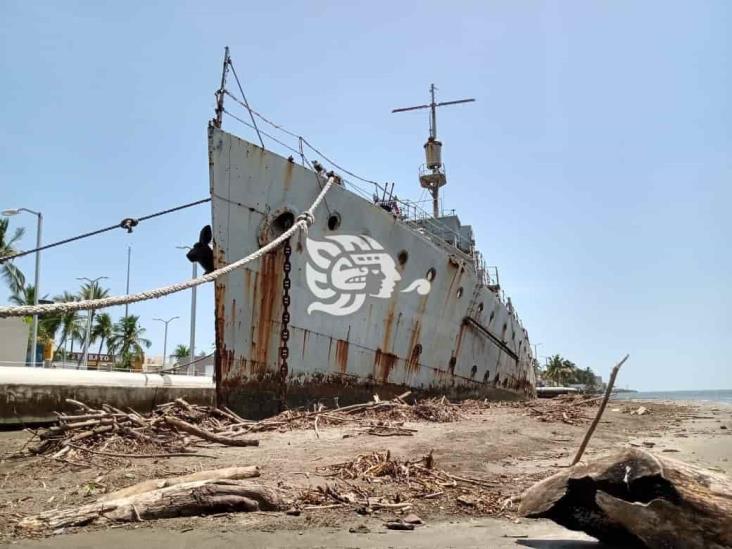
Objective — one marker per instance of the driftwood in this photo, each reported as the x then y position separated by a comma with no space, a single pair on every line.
603,404
227,473
207,435
635,498
186,499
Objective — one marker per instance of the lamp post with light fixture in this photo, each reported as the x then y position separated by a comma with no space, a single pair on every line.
165,339
16,211
192,344
92,283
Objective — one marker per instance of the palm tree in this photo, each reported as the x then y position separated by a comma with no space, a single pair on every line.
12,275
127,339
559,370
91,290
181,352
70,323
24,295
102,329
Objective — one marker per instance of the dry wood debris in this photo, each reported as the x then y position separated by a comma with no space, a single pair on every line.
378,480
569,409
177,428
169,430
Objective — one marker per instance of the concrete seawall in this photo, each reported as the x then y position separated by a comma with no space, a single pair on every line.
32,395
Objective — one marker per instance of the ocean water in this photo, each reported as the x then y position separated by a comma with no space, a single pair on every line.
722,396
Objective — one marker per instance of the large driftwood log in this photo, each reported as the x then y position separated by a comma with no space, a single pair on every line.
227,473
207,435
634,498
190,498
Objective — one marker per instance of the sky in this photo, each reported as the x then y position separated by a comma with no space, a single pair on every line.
594,166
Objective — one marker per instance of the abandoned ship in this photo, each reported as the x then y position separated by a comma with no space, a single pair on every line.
377,298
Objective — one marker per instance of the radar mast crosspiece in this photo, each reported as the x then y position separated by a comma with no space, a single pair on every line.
432,177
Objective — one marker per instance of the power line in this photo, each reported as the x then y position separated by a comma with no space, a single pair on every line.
128,223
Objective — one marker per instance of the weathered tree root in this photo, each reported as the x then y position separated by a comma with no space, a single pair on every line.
186,499
634,498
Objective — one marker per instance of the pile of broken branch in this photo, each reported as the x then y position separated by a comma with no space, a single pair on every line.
378,417
570,409
169,430
378,480
173,428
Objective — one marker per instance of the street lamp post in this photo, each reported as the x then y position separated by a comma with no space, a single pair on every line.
165,338
127,287
92,284
16,211
192,344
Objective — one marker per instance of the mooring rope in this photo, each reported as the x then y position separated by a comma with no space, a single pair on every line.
303,221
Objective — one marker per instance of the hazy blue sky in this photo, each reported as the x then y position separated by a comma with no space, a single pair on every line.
595,165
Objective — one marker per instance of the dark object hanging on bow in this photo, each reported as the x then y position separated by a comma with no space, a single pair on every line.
202,252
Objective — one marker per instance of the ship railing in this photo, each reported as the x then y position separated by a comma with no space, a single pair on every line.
406,210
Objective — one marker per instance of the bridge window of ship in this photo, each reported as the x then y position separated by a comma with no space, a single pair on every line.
431,274
334,221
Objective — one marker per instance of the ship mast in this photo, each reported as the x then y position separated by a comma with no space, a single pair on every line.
432,174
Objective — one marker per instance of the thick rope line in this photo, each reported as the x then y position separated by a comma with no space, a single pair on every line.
303,221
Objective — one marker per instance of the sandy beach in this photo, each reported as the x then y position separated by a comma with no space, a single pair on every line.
508,446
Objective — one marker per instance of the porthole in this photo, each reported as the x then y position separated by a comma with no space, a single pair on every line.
431,274
459,292
282,222
480,308
474,370
334,221
486,375
417,350
402,257
451,364
493,314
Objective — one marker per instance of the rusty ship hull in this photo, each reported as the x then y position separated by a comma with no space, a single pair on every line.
461,339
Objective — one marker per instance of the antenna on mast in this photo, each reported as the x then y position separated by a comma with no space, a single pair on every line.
432,174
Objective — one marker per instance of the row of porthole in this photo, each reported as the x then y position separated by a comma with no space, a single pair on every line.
334,222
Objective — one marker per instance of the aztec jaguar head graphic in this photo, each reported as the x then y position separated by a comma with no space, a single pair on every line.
344,270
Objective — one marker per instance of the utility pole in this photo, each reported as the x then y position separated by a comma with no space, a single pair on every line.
192,344
127,288
34,339
435,178
92,284
165,339
536,353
